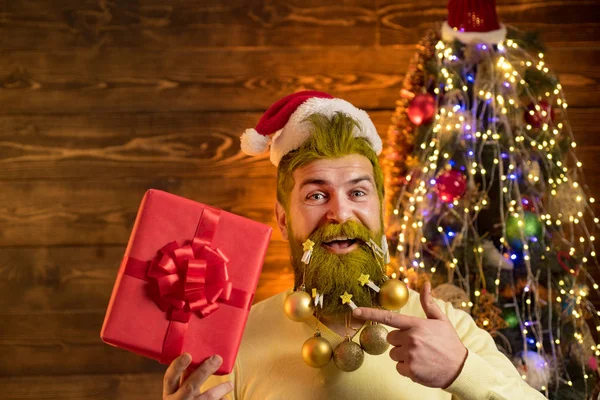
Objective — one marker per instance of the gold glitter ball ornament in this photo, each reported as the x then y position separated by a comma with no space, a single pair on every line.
393,294
373,339
316,352
348,356
298,306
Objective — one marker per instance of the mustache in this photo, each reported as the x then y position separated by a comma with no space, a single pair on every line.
349,229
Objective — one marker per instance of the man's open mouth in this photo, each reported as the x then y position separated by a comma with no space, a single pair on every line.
341,243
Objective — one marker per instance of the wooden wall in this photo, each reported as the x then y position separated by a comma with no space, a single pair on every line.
101,100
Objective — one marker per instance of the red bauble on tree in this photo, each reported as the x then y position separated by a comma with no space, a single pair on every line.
537,117
421,109
528,204
450,185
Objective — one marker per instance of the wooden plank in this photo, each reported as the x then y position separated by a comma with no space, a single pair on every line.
158,25
83,387
166,146
34,343
186,24
161,145
39,82
103,212
114,80
585,126
406,21
68,278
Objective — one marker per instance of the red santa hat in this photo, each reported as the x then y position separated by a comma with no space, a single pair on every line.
473,21
284,128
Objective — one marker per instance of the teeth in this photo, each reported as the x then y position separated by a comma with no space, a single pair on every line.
339,238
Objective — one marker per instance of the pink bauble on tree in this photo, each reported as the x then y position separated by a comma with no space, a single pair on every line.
536,118
421,109
451,185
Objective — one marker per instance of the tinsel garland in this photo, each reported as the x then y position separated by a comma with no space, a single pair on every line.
396,159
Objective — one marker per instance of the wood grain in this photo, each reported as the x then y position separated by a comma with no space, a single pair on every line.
406,21
98,146
163,148
83,387
102,212
152,24
63,343
74,279
43,82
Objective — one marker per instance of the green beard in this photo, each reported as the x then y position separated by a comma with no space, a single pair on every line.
333,274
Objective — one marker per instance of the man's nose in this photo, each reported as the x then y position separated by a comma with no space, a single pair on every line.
340,210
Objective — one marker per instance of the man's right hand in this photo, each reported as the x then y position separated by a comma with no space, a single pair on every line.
177,387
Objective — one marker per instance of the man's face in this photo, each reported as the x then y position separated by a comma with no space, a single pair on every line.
334,191
335,203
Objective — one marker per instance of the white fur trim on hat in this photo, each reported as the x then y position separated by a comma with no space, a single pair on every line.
297,130
491,37
253,143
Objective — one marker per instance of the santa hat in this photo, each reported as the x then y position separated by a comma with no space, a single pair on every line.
473,21
284,126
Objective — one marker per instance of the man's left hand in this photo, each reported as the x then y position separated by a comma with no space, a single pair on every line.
428,351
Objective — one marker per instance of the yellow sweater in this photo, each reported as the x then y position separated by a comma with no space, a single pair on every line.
269,364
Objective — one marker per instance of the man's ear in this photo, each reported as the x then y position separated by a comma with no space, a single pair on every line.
282,221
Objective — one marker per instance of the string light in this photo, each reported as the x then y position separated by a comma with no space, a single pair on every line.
517,147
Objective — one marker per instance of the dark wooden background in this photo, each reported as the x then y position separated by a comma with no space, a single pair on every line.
101,100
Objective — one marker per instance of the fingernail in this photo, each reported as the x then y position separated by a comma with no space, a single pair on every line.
357,312
216,359
186,358
231,385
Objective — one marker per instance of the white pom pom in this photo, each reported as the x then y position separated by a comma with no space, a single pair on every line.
535,367
493,258
493,37
253,143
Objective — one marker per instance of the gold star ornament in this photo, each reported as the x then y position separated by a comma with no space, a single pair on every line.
364,279
346,298
308,245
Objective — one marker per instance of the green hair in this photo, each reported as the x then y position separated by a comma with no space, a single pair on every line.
330,138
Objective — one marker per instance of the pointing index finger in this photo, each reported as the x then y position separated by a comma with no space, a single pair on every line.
386,317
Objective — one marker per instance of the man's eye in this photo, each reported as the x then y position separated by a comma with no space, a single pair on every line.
358,193
316,196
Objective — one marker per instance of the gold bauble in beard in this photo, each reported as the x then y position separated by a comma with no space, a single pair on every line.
393,294
298,306
316,352
373,339
348,356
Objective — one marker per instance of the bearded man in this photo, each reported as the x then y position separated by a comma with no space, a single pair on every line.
330,190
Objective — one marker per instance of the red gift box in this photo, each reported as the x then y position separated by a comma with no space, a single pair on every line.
186,282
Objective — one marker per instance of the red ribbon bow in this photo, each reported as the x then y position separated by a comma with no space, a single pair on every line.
190,278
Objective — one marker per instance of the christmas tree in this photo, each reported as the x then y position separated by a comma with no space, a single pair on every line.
487,201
